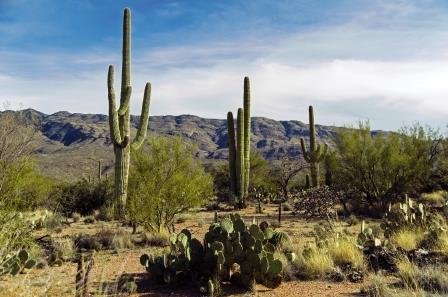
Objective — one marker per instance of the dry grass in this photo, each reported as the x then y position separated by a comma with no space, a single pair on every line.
408,273
344,251
316,263
438,198
443,242
379,286
432,279
156,239
408,239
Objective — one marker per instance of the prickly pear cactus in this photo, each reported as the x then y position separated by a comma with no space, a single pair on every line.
14,264
228,241
406,214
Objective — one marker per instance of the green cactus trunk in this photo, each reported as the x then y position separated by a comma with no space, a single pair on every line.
307,181
99,170
240,155
119,120
232,156
240,164
316,152
247,128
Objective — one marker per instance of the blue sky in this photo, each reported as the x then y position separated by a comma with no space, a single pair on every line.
382,60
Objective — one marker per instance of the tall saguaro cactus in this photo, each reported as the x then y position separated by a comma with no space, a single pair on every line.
240,161
239,148
119,120
232,155
316,152
247,127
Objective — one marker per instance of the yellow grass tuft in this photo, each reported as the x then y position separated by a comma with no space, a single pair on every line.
408,239
345,251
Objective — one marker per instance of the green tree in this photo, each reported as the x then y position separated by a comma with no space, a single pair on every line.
164,181
383,166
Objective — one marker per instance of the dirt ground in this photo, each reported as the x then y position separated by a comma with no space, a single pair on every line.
110,266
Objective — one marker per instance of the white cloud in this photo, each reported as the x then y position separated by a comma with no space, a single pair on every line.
390,74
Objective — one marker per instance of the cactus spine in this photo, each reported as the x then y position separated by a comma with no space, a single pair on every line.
239,149
316,152
119,120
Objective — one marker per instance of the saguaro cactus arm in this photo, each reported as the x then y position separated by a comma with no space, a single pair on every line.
304,150
113,115
144,118
124,105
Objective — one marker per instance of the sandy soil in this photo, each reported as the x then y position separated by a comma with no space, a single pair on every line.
111,265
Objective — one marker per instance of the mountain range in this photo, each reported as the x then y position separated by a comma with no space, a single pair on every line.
68,145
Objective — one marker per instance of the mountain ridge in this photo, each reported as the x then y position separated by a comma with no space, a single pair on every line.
68,143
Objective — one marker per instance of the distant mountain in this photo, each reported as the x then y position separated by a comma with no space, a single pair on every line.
69,144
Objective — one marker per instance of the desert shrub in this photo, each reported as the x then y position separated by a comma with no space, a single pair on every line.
159,239
83,197
164,182
352,220
182,218
123,241
85,242
105,238
89,220
380,167
408,239
315,202
22,187
76,216
213,205
286,206
105,213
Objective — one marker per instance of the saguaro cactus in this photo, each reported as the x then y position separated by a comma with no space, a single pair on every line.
119,120
239,148
99,171
247,128
240,162
232,155
316,152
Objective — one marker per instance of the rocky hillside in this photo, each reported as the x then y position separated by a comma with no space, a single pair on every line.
69,144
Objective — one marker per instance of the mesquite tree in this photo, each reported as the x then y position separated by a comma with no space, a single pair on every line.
119,120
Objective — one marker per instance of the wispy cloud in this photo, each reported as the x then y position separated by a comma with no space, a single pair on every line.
387,62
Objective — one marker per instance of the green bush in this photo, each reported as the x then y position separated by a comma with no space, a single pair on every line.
380,167
83,197
165,181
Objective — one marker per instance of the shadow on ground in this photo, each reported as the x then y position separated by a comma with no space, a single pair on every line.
142,285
